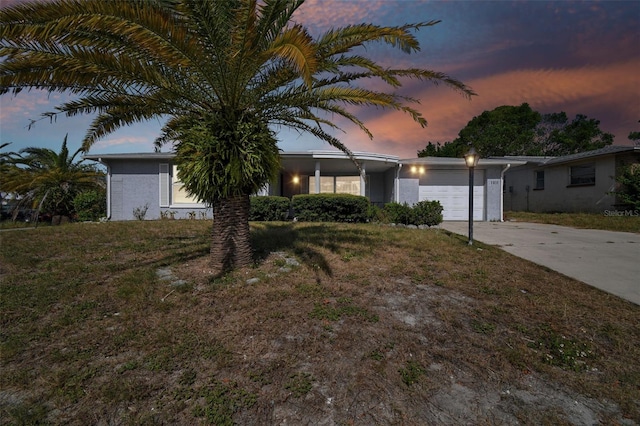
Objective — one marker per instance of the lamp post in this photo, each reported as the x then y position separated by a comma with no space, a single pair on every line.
471,160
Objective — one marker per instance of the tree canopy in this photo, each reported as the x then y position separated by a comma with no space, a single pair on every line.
520,130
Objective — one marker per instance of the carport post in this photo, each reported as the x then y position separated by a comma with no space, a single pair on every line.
471,159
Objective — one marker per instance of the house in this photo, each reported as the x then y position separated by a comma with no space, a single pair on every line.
149,182
572,183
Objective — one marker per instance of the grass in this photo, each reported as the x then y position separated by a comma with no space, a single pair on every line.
606,222
375,325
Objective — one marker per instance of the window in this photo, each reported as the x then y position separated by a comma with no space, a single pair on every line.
336,184
584,174
178,192
539,180
348,185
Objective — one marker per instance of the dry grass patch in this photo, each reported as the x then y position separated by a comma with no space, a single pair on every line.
336,324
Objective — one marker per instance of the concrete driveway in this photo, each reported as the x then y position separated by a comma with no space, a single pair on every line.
607,260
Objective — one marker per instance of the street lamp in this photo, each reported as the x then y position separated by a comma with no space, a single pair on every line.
471,160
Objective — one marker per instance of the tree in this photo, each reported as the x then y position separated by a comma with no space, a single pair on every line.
48,181
547,133
448,149
223,72
581,134
519,130
635,137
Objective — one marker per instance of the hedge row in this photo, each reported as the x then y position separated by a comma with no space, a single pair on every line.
343,208
269,208
331,208
427,213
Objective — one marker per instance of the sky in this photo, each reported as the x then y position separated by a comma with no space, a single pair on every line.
580,57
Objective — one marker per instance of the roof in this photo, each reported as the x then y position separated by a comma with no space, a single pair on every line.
332,160
607,150
131,156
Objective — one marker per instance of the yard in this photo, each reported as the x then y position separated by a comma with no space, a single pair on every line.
121,323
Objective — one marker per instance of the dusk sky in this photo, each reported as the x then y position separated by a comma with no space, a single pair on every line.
581,57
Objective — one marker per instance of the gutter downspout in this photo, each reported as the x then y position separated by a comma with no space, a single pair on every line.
502,192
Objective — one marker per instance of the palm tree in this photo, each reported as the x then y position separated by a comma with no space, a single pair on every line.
223,74
42,177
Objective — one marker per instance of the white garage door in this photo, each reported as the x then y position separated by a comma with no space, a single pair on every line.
451,188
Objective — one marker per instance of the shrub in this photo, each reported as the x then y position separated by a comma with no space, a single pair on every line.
423,213
376,214
331,207
398,213
269,208
90,205
629,187
427,213
140,212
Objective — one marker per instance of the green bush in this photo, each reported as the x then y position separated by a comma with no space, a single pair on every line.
269,208
427,213
90,205
376,214
423,213
398,213
629,187
331,208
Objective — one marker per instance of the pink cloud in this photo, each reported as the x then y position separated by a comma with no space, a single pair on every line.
596,92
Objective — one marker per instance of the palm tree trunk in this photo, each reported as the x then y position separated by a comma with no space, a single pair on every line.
230,239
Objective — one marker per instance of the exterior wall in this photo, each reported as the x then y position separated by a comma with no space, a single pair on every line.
136,184
390,189
558,194
409,190
487,188
376,188
493,195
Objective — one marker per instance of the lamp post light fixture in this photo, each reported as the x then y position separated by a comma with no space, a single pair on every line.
471,160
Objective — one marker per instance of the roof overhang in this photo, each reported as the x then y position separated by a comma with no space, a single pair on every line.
458,163
302,162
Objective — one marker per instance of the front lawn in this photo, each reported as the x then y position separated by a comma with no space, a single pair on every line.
120,323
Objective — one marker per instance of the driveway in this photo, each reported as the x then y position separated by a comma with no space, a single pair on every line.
607,260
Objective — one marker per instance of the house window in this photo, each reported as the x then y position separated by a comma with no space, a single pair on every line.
336,184
348,185
584,174
539,180
179,194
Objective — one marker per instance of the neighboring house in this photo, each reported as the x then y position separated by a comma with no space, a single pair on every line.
572,183
136,181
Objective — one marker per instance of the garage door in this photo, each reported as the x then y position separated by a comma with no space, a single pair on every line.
451,188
